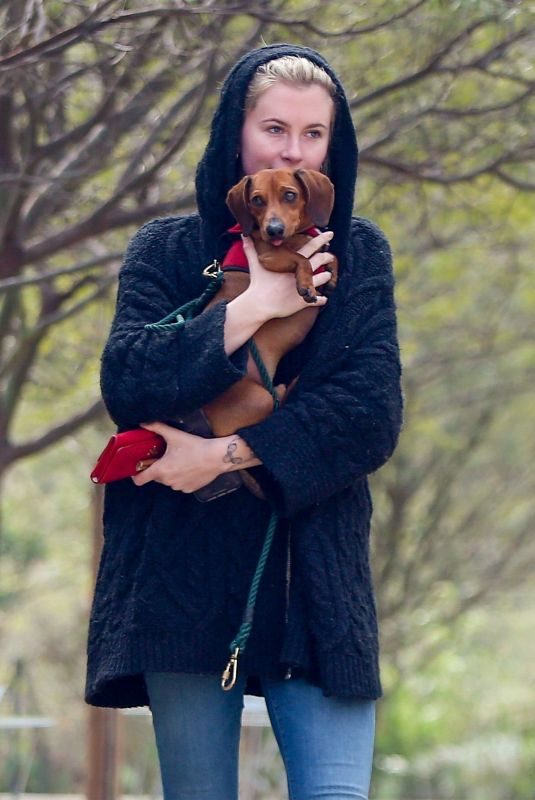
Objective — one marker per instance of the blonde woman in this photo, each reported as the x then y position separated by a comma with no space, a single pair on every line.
175,573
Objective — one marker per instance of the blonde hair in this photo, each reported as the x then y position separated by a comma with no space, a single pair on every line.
294,70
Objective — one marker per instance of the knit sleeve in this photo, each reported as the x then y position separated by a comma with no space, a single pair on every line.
343,418
149,375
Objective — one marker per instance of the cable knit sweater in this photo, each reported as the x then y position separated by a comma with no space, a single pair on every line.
174,572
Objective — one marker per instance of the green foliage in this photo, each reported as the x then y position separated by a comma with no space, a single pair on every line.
443,101
462,725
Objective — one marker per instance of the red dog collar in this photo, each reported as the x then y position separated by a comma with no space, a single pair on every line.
236,259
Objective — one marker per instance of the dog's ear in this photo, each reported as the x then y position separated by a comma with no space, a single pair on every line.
319,195
238,202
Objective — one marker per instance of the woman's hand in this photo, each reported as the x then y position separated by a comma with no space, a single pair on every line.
191,462
271,294
274,293
185,465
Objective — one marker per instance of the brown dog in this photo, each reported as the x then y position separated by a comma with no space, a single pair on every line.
275,207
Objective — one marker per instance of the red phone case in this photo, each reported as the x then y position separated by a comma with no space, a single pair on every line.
125,454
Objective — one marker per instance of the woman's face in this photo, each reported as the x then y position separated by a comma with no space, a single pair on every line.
288,127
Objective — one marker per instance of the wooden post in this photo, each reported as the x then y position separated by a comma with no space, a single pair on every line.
102,779
103,723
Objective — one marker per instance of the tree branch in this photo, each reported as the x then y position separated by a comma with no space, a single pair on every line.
77,33
61,315
427,69
79,162
181,133
351,31
32,280
139,56
462,113
60,40
420,171
21,359
99,223
18,451
516,183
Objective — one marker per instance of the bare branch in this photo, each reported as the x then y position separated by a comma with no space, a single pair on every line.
422,172
462,113
22,357
138,57
445,478
523,186
99,223
495,53
508,76
32,280
350,31
60,316
18,451
17,368
70,36
435,62
79,162
432,64
147,146
179,136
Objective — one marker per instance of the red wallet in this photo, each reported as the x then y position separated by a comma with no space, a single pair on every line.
131,452
126,454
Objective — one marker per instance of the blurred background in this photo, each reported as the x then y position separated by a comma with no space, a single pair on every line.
104,113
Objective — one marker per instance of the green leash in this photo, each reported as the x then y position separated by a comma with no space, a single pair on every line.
264,374
177,318
173,322
237,646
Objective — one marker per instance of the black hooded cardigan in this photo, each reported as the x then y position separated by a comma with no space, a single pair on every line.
175,573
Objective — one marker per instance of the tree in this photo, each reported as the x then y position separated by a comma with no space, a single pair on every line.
91,114
91,111
104,109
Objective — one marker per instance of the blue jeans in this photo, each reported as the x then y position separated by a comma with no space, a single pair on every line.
326,742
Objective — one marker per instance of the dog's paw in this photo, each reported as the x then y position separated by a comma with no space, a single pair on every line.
308,294
328,288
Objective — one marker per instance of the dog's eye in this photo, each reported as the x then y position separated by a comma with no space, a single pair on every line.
257,201
289,197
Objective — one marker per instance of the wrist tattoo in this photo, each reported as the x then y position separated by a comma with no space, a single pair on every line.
229,457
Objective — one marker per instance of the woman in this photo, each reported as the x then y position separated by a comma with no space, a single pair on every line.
175,573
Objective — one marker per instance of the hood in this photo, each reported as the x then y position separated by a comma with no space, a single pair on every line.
219,168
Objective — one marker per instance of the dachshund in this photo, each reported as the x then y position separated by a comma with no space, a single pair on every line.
276,207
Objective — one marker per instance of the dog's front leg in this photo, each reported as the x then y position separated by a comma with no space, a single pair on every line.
303,279
332,267
244,403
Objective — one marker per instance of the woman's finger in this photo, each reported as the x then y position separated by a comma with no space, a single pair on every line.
321,278
158,427
316,243
249,249
147,474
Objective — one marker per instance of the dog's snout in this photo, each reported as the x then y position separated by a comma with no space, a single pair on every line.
275,228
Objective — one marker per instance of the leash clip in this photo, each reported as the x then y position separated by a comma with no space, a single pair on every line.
230,674
212,270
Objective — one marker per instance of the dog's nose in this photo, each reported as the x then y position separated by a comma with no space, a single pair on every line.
275,228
